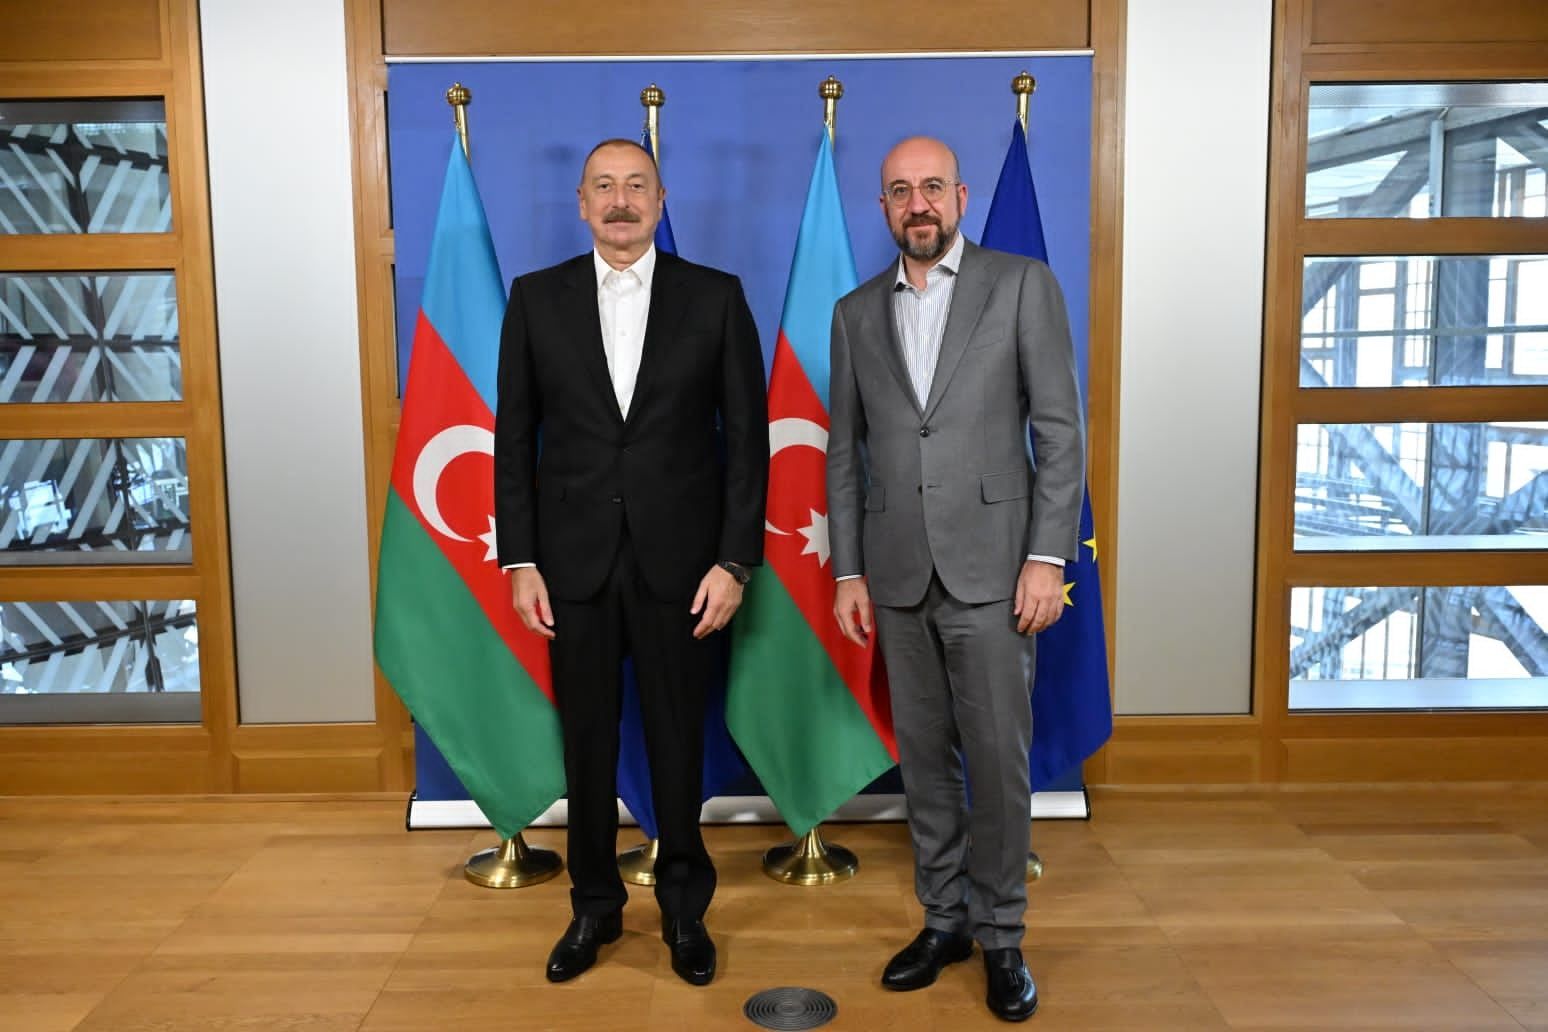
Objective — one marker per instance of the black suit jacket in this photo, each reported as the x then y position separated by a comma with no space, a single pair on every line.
688,468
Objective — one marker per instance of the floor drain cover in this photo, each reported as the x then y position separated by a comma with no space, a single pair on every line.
789,1007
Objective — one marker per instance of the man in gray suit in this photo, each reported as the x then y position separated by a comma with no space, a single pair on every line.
938,516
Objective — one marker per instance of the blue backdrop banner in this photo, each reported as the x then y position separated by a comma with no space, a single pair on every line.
737,139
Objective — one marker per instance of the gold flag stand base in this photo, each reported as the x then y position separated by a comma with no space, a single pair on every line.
1034,867
810,861
637,866
511,865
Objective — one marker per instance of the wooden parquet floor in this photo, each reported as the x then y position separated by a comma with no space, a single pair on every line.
1413,907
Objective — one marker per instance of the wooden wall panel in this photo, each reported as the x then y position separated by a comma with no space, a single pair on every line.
488,27
97,760
308,758
1493,758
1386,22
82,30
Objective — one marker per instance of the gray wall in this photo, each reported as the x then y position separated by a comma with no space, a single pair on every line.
1195,197
282,209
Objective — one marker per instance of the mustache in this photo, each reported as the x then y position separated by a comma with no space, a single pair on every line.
620,215
922,219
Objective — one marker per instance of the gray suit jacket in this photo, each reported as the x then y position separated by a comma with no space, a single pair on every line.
952,487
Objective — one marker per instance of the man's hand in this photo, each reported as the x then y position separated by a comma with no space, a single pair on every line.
852,609
1039,596
530,597
718,598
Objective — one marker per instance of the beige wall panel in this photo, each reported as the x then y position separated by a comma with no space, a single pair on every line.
81,30
428,27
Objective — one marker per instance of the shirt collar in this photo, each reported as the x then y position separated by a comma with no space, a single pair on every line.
950,262
644,267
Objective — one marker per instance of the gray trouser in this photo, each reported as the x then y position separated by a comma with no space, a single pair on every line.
960,677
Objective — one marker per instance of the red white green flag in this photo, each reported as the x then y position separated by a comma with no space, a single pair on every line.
809,710
447,637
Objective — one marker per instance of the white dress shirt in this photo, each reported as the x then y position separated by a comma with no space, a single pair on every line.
623,302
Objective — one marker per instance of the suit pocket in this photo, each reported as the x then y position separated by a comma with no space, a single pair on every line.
1002,487
875,499
985,341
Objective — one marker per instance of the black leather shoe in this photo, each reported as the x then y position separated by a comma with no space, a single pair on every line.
920,962
693,952
1012,993
576,949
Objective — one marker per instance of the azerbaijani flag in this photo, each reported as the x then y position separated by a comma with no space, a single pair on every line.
1072,713
447,636
809,709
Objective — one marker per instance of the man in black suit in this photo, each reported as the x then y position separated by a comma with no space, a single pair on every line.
631,462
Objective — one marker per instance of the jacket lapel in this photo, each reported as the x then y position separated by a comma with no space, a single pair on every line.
668,303
580,311
881,324
968,298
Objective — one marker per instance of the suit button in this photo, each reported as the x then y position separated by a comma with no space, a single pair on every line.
924,431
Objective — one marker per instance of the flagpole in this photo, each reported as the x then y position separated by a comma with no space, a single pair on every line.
512,864
830,90
654,98
637,865
809,860
1023,87
458,97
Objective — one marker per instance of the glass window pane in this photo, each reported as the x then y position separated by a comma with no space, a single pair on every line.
1383,487
1379,648
64,662
86,501
84,166
1426,150
1449,321
89,337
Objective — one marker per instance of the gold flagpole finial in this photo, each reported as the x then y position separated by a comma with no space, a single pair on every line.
1023,86
830,90
458,97
653,97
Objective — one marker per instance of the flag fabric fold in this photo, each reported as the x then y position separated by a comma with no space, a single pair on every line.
809,710
446,636
1071,707
722,764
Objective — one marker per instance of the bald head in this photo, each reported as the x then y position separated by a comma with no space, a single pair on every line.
920,150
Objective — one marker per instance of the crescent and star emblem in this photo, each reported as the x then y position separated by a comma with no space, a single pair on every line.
802,433
434,457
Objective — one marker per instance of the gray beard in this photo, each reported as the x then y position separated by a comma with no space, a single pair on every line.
928,253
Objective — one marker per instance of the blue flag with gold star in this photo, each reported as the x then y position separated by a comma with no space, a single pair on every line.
1072,712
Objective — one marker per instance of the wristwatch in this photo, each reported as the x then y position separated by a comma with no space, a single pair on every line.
737,570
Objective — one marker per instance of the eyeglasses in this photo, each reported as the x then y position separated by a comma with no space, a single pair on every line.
932,190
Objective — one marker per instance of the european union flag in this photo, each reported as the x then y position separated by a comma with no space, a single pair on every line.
1072,713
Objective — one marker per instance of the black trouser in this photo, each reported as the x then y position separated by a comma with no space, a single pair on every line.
592,639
